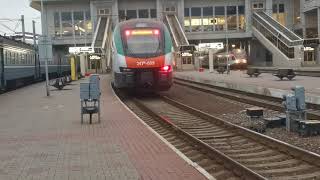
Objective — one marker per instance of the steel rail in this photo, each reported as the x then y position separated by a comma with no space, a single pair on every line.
240,170
269,102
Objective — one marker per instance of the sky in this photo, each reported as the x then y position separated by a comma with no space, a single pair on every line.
13,9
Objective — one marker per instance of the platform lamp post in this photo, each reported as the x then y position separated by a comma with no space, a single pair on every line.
44,39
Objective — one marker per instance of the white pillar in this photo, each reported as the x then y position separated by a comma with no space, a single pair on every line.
248,15
269,7
211,60
159,10
83,64
302,18
318,20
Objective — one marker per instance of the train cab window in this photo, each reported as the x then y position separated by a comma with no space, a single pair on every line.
143,42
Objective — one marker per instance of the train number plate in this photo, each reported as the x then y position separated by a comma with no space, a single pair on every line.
146,63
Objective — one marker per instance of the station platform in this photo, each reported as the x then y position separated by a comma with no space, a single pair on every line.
265,84
42,138
303,71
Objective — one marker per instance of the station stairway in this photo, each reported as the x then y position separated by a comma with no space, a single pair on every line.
102,40
176,31
285,46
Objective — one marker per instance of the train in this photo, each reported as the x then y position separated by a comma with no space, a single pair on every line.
20,65
142,55
237,59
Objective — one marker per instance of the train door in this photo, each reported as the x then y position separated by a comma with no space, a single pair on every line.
1,69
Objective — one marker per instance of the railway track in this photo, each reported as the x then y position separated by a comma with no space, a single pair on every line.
248,98
224,150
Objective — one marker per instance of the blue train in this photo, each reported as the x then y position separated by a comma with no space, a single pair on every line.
20,65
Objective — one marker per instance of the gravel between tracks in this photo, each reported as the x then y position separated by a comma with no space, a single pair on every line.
234,112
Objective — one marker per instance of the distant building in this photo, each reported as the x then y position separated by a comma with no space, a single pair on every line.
73,23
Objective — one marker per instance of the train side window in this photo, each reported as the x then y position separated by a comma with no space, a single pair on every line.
5,57
27,59
22,59
17,58
12,58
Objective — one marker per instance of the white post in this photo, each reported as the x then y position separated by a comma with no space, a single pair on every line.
211,60
227,44
83,64
45,48
318,12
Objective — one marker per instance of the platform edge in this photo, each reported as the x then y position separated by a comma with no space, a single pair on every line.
179,153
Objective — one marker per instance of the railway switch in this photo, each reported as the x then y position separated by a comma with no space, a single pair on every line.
254,112
295,108
299,93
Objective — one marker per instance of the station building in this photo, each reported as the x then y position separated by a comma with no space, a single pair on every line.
289,38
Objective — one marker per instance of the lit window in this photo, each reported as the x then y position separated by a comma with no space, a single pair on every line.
219,18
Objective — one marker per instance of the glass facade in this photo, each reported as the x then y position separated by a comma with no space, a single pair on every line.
143,13
241,18
232,18
278,13
187,20
207,19
220,20
57,28
214,18
131,14
153,13
88,23
196,19
76,23
136,13
79,23
66,21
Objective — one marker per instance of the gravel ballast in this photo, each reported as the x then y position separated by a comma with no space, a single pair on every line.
235,112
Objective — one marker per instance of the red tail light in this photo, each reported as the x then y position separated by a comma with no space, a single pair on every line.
166,68
128,32
156,32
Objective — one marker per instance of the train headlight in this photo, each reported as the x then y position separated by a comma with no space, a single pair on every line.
244,61
237,61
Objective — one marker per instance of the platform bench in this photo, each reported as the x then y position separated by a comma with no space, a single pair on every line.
221,68
253,72
288,73
309,127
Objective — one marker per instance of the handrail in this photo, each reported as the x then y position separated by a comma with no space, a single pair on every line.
96,33
172,31
290,41
181,30
288,30
106,33
274,35
284,51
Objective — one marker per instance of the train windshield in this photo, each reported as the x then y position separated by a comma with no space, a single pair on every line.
143,43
